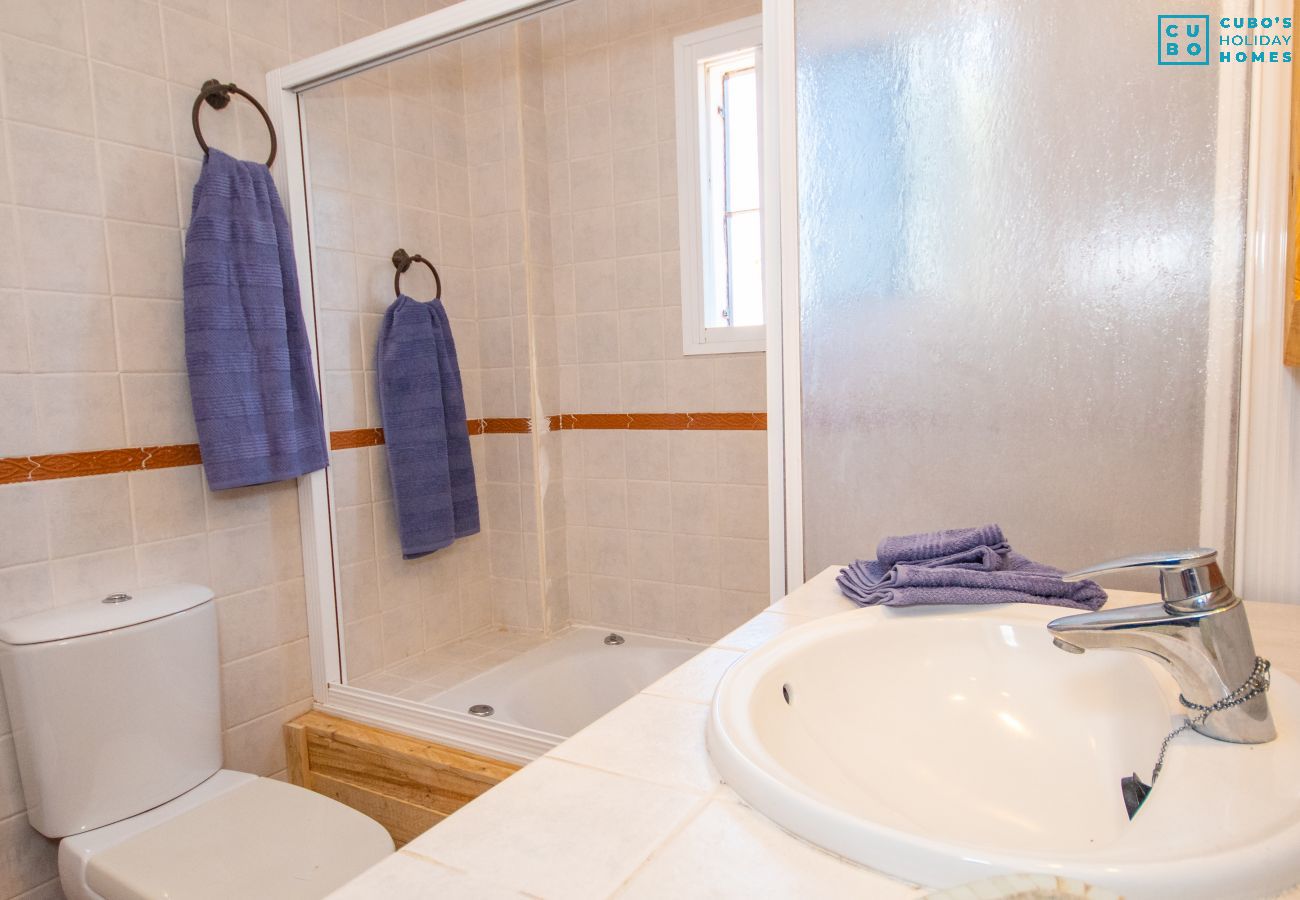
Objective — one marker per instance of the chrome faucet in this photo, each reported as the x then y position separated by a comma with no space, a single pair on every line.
1198,631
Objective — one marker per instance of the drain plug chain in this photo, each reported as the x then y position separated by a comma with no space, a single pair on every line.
1252,687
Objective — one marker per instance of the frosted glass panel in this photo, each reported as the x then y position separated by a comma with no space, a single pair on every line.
1021,275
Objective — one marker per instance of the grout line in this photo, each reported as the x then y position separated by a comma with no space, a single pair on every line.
104,231
667,839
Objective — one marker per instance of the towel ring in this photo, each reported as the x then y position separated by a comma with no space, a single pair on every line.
402,261
218,97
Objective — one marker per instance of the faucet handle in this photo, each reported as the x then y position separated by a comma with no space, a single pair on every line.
1190,580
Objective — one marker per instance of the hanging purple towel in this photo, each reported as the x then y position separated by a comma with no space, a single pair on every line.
425,432
255,402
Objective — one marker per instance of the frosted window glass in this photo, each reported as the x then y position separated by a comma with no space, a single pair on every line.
1020,258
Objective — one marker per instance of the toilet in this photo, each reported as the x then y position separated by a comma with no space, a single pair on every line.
116,712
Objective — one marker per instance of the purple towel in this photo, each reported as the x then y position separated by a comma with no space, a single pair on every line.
936,547
254,396
959,571
423,408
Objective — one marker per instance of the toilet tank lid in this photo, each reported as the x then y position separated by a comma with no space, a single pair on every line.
99,615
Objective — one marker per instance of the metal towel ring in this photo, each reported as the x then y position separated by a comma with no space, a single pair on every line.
402,261
218,97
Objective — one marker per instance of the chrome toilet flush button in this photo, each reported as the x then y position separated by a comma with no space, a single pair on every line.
613,640
482,710
116,598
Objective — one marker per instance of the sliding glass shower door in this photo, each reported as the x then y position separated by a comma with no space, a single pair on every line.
1021,265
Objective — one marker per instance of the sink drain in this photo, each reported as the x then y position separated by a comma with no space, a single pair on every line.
613,639
482,710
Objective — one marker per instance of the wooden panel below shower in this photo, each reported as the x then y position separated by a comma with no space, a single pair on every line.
406,784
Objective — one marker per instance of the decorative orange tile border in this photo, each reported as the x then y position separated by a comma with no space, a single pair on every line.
373,437
46,467
502,426
356,437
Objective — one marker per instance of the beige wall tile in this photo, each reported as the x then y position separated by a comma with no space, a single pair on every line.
181,560
13,332
135,109
636,174
641,335
23,590
10,256
742,564
11,791
249,547
607,500
647,455
742,511
158,409
693,456
740,382
93,575
147,334
266,20
77,412
244,683
23,524
45,86
194,49
689,380
167,503
632,120
638,281
742,457
139,185
695,560
643,386
71,333
126,33
591,182
18,424
62,252
27,858
53,169
146,260
695,508
597,336
88,514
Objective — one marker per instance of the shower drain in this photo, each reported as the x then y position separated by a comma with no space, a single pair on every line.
613,639
482,710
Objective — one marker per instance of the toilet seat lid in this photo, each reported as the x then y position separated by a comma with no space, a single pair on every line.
264,838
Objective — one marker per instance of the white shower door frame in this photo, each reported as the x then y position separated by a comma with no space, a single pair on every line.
315,491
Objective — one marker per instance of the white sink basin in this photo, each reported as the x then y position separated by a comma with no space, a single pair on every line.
944,746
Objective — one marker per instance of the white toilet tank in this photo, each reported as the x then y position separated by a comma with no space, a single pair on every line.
116,706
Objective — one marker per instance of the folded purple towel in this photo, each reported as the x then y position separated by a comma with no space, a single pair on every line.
935,546
960,573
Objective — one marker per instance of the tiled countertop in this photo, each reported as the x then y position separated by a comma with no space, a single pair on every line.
631,806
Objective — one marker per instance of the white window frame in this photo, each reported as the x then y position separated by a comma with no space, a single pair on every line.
690,54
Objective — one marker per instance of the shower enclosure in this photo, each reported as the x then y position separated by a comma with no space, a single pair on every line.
527,152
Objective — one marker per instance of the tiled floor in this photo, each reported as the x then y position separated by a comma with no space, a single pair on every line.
430,673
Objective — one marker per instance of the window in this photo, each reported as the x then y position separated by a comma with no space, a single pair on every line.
718,179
